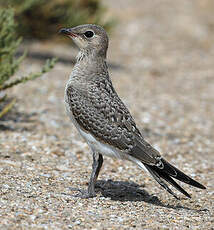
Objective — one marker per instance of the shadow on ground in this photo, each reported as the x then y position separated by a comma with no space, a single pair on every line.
13,121
65,60
130,191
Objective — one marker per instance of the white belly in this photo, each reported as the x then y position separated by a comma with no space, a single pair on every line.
107,150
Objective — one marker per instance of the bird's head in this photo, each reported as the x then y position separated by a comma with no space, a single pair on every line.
89,38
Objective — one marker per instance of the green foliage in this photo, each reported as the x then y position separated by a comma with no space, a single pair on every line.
8,62
41,19
8,46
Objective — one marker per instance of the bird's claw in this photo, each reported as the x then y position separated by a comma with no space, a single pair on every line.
84,194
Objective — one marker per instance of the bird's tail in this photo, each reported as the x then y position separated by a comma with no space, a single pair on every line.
166,172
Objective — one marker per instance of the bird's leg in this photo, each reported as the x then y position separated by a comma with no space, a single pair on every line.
96,166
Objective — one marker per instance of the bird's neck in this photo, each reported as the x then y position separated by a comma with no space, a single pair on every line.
90,63
87,55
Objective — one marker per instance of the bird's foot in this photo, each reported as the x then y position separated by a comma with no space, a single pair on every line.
84,194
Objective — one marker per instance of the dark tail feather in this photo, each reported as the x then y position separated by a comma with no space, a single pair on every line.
180,175
166,172
160,181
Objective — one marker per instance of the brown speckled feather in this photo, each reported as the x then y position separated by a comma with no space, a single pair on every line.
101,112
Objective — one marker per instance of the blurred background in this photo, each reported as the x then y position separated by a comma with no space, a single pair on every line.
41,19
161,61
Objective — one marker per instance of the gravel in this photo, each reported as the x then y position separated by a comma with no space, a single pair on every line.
164,54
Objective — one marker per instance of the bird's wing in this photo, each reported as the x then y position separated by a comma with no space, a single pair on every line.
100,111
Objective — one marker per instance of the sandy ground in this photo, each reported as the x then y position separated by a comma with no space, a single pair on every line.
164,54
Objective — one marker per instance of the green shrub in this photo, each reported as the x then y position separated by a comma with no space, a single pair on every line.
41,19
8,62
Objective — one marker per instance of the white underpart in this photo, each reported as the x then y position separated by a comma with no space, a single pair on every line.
108,150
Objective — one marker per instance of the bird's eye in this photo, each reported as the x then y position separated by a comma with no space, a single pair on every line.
89,34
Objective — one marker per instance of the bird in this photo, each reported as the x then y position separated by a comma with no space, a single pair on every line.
103,120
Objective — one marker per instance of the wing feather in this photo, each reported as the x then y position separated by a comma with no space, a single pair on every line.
105,116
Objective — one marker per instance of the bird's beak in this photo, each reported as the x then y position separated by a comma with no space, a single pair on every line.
68,32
